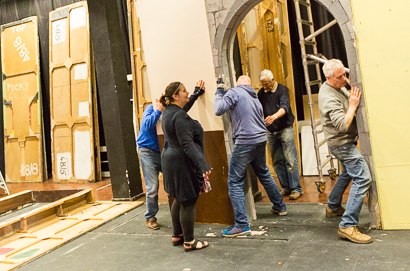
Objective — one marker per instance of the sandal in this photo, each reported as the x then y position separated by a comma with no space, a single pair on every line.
191,247
179,242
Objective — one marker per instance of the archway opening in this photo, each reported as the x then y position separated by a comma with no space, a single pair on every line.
267,37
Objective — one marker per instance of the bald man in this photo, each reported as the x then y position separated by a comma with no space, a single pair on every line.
249,136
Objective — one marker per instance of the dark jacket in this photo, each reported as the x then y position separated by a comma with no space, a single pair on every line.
182,158
272,102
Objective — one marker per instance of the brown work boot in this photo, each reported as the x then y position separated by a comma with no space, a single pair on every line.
330,213
354,235
295,195
152,224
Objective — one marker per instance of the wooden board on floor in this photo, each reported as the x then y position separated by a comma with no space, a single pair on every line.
71,96
14,201
22,113
34,240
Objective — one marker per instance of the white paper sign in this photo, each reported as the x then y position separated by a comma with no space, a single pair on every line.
83,109
82,157
78,18
80,71
64,171
59,35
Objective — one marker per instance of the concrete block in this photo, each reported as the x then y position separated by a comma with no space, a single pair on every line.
347,33
365,146
326,3
338,12
211,26
227,4
219,36
213,5
220,17
347,7
351,53
361,119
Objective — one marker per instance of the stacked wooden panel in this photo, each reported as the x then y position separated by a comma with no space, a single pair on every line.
71,97
23,131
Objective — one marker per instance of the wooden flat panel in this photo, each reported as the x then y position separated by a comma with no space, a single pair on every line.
52,232
71,95
24,154
13,201
215,206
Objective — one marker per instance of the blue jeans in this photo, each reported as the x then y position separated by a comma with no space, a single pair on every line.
242,156
354,167
285,159
151,167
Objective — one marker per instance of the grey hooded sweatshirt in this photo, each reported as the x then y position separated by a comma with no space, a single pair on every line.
248,125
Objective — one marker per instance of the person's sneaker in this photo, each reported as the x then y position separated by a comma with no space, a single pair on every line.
279,213
330,213
354,235
152,224
236,231
295,195
283,192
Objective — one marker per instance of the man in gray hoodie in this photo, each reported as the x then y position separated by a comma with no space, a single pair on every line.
249,136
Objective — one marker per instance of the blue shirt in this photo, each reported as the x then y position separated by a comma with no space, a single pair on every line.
147,136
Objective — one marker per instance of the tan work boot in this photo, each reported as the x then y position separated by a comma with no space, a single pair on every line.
330,213
283,192
295,195
152,224
354,235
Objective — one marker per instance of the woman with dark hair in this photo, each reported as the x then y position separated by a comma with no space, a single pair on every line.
183,163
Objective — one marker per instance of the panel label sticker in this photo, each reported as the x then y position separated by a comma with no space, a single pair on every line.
64,171
59,34
83,109
81,71
82,159
78,18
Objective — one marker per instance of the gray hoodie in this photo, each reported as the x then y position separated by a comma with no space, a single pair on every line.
248,125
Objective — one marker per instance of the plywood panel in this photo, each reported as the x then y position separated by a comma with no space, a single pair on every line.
24,154
71,95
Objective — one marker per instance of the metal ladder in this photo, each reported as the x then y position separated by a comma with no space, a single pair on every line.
3,184
313,64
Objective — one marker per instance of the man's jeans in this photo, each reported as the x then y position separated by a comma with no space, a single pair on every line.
285,159
242,156
354,167
151,167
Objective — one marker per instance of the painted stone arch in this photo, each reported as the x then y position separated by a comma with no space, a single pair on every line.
224,18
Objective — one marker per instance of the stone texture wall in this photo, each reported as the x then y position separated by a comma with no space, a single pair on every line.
224,17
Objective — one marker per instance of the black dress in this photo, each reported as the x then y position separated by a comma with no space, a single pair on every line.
182,158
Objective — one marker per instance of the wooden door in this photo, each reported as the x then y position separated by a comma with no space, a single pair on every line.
71,97
22,112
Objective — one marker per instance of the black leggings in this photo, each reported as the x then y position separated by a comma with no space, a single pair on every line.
183,218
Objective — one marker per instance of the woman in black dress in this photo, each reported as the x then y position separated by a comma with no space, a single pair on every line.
183,163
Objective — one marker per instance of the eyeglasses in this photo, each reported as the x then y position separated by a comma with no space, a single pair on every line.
341,76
